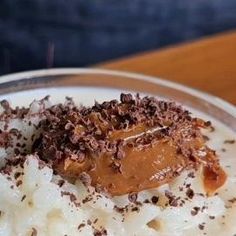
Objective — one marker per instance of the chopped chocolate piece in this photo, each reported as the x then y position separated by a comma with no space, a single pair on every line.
4,139
72,197
187,185
181,188
81,226
195,211
17,151
85,178
116,167
133,197
126,98
61,182
18,183
155,199
119,209
120,152
89,222
201,226
173,201
102,232
23,198
206,138
190,193
229,141
233,200
135,209
5,104
87,199
191,175
212,129
208,123
17,175
34,232
146,201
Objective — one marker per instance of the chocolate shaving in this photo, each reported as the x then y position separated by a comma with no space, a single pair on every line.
34,232
133,197
126,98
81,226
173,200
61,183
155,199
18,183
233,200
101,232
195,211
206,138
201,226
116,167
23,198
85,179
72,197
17,175
229,141
190,193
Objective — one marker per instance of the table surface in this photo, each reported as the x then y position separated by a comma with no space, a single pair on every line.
208,64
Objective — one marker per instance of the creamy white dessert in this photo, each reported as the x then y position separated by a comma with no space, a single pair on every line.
36,201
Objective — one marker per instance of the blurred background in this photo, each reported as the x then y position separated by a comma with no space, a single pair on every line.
38,34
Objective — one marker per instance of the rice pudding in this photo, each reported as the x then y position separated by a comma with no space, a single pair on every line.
136,167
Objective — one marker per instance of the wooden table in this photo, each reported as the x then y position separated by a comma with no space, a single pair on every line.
208,64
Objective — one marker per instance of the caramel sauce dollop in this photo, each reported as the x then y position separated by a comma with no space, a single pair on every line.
144,167
159,141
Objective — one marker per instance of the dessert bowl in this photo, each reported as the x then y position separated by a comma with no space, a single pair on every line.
121,81
36,200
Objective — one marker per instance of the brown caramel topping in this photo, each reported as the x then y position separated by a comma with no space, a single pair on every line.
128,146
213,179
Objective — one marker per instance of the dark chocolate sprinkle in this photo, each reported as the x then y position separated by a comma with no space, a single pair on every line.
155,199
195,211
81,226
133,197
229,141
85,179
34,232
233,200
190,193
201,226
23,198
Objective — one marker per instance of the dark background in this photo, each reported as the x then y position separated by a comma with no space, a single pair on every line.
73,33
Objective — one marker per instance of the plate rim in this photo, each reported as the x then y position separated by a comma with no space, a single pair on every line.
219,102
